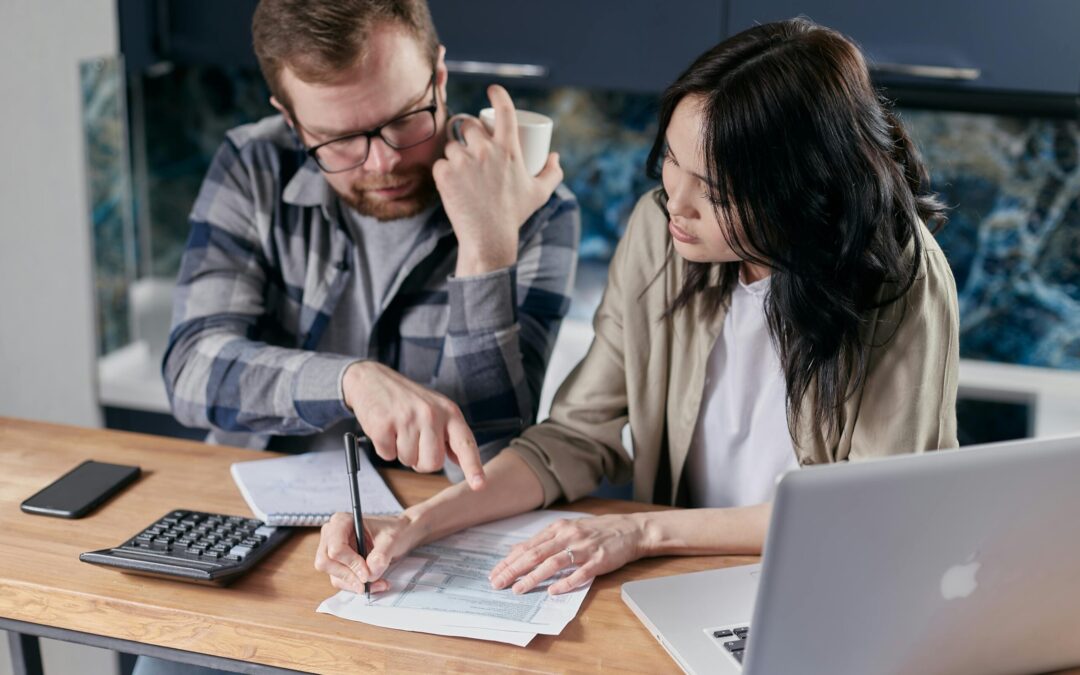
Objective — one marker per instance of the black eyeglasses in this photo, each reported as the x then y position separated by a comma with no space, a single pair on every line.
405,131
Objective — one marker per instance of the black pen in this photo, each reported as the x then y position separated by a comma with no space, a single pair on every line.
352,461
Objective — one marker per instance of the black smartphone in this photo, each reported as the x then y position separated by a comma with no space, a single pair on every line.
81,490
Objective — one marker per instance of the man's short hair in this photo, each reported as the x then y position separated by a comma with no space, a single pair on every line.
318,39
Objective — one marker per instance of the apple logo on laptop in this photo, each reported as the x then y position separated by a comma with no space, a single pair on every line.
959,580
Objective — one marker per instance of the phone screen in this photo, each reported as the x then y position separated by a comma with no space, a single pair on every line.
78,491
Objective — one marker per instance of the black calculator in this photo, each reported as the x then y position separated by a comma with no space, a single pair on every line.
205,548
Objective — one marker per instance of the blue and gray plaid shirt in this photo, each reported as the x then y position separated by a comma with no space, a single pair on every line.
267,260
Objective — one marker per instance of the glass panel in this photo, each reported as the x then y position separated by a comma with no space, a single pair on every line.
109,196
1013,238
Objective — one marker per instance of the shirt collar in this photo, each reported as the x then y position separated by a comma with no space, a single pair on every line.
308,187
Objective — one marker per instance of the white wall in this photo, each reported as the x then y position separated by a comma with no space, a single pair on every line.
47,334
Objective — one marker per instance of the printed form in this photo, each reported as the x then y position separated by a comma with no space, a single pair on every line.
443,588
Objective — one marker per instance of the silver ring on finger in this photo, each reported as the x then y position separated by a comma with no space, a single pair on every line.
455,130
570,554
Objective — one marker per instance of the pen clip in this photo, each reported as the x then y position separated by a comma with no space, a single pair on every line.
352,461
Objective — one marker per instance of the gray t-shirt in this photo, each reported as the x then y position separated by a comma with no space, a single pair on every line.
381,248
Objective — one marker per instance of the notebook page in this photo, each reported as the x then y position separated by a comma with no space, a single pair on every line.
307,489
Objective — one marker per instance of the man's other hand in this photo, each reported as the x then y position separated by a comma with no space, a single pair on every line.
486,190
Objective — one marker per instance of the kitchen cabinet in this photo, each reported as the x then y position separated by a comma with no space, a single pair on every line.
989,45
629,45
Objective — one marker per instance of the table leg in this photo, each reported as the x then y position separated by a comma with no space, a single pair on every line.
25,654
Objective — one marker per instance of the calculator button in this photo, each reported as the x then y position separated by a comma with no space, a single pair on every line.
241,551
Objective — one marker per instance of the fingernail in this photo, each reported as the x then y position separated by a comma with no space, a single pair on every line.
476,481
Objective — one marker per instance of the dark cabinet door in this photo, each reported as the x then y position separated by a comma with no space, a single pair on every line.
995,45
186,32
632,45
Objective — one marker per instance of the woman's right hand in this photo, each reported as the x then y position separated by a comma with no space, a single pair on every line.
387,538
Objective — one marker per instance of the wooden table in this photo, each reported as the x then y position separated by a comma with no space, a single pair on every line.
267,617
266,621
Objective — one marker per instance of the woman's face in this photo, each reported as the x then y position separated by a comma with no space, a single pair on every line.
697,234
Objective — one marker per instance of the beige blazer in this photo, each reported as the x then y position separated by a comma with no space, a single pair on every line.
649,371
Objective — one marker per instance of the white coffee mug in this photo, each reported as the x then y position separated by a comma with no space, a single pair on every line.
534,132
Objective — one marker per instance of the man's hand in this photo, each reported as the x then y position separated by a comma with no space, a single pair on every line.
387,538
486,190
409,422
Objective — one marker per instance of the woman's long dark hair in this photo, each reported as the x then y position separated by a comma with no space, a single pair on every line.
826,186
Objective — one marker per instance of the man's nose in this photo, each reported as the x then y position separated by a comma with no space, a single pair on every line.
381,157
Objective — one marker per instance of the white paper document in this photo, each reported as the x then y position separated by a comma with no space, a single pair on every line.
443,588
305,490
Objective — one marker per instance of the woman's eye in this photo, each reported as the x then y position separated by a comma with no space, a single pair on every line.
713,199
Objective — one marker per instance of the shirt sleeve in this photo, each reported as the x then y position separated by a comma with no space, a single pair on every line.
216,374
582,440
909,399
503,324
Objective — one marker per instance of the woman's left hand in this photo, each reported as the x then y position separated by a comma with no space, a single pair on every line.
599,545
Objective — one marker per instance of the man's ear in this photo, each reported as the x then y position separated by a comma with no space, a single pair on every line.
441,73
284,112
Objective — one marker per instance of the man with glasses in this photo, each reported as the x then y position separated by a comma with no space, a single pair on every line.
348,264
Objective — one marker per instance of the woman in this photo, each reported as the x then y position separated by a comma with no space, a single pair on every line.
778,303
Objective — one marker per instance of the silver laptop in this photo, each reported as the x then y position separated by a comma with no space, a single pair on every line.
960,561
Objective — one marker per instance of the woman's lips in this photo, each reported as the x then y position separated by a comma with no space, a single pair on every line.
681,234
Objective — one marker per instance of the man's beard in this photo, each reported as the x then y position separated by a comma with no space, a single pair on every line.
421,195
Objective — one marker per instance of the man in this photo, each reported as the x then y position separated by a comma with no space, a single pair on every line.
349,264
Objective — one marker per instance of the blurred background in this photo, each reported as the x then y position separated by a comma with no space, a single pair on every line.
115,107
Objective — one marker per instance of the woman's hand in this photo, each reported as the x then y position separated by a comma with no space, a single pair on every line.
599,545
387,538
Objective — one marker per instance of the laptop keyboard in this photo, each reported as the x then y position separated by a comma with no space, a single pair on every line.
733,640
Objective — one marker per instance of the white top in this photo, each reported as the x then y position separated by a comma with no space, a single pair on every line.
741,442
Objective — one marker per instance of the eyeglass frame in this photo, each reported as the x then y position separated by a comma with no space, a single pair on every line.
376,132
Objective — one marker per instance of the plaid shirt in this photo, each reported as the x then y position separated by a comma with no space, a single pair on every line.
267,259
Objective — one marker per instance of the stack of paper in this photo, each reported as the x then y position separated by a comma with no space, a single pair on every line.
443,588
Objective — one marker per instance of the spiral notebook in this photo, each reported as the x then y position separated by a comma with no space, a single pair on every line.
305,490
